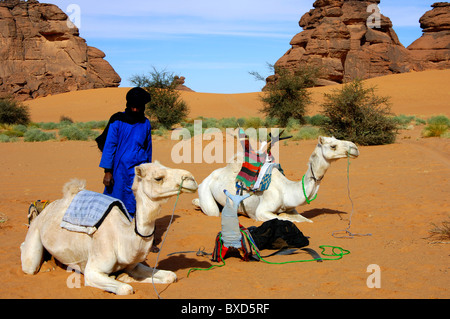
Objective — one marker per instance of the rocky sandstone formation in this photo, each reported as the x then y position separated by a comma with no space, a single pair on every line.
179,82
432,50
337,39
346,41
42,53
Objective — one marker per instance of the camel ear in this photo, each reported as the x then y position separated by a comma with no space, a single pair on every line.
321,140
139,172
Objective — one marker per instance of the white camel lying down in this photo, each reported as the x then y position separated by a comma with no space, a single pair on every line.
118,244
282,196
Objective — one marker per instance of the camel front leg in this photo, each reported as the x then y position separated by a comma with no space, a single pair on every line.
294,217
101,280
264,215
32,251
143,274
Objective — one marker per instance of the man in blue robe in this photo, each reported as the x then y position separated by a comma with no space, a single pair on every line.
126,143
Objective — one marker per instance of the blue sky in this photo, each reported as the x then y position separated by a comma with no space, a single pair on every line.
214,44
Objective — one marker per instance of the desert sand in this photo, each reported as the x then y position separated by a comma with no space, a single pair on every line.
398,191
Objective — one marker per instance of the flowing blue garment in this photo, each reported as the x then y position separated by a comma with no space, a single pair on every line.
127,146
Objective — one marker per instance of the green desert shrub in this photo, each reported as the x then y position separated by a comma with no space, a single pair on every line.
287,97
48,126
317,120
13,112
437,126
74,133
254,122
166,107
7,139
307,133
357,114
36,135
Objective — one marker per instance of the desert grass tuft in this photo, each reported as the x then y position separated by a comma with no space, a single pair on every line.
440,233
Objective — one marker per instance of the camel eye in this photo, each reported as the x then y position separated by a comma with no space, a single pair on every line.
333,147
159,178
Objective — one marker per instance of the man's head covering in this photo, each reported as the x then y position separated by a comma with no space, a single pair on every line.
138,97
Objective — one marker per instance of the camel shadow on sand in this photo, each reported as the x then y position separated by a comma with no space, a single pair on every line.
311,214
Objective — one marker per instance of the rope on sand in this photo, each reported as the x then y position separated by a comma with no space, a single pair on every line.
347,234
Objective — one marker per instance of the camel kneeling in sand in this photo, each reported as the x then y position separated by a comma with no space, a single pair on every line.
117,244
283,196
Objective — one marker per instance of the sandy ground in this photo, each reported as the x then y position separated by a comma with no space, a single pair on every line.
398,190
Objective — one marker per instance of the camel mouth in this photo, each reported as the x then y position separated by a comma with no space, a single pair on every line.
189,185
189,190
353,154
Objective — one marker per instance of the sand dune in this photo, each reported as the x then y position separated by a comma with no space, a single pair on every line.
417,93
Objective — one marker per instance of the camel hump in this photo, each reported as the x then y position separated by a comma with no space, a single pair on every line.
73,187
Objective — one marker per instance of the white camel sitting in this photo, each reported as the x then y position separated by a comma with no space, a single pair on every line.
118,244
282,196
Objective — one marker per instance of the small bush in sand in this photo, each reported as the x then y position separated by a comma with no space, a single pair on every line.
36,135
65,120
13,112
287,97
440,234
73,133
166,108
356,114
437,126
307,133
7,139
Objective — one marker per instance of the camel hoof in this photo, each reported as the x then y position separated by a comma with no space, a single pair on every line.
164,277
171,277
196,202
125,290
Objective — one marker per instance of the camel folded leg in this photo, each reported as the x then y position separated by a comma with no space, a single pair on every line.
144,274
32,252
98,279
292,216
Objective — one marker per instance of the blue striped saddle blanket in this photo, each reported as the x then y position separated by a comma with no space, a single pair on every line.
87,211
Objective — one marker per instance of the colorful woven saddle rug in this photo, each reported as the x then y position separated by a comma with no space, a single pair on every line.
256,171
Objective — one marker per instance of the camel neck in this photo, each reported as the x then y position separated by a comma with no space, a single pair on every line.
317,167
146,213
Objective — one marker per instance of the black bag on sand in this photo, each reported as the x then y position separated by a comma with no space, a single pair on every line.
278,234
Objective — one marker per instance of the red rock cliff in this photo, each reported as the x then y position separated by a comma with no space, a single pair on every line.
41,53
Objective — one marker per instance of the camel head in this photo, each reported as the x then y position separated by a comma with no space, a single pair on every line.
333,149
158,182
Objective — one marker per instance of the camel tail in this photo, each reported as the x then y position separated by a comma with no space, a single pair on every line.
73,187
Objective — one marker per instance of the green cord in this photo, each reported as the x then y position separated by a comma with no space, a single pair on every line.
304,191
339,255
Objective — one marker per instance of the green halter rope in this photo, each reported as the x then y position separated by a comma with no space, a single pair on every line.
309,201
336,252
